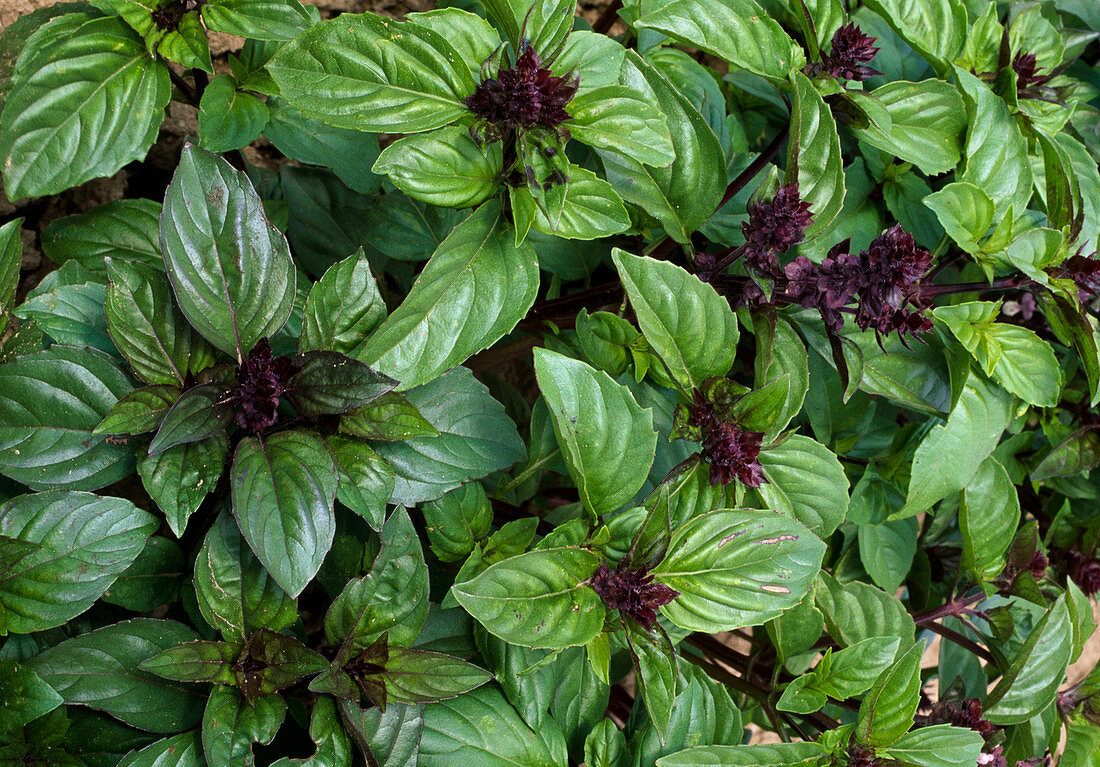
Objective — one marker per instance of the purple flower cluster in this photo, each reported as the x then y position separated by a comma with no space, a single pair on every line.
1084,570
884,279
851,51
261,381
733,452
858,756
632,592
1085,273
774,226
523,96
1025,65
167,18
967,714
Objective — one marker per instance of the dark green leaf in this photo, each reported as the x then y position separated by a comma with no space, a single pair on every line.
70,313
181,477
50,402
935,28
616,117
343,309
235,593
86,542
366,481
258,19
152,580
100,670
230,726
392,597
183,750
1031,681
938,746
26,697
123,229
200,413
805,482
988,516
196,662
656,671
776,755
927,122
349,153
330,383
476,438
458,521
390,418
333,746
229,118
392,737
147,327
813,156
414,676
283,488
856,611
11,256
140,411
230,267
83,105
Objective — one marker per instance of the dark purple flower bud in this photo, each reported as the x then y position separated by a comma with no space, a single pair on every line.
1038,565
1085,273
261,380
774,226
851,51
702,411
523,96
734,452
994,758
167,18
632,592
967,714
1026,67
858,756
1084,570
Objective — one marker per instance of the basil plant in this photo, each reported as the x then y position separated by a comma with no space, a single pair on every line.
686,383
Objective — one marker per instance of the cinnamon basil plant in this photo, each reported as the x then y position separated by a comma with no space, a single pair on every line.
683,383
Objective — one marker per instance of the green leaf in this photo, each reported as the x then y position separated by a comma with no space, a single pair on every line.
776,755
436,326
444,167
927,123
686,322
965,211
235,593
200,413
842,675
329,383
140,411
414,676
988,516
349,153
591,209
683,195
196,662
934,28
333,746
259,19
230,268
529,677
228,118
183,750
180,478
604,435
100,670
738,31
26,697
124,229
1030,683
886,712
343,309
82,104
407,230
469,34
283,488
537,599
805,482
995,150
391,737
392,597
605,746
152,580
1014,357
856,611
476,437
70,313
543,23
887,550
1076,454
50,402
596,60
11,257
938,746
616,117
813,156
458,521
391,418
370,73
737,568
230,725
147,327
656,671
951,453
482,728
366,481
